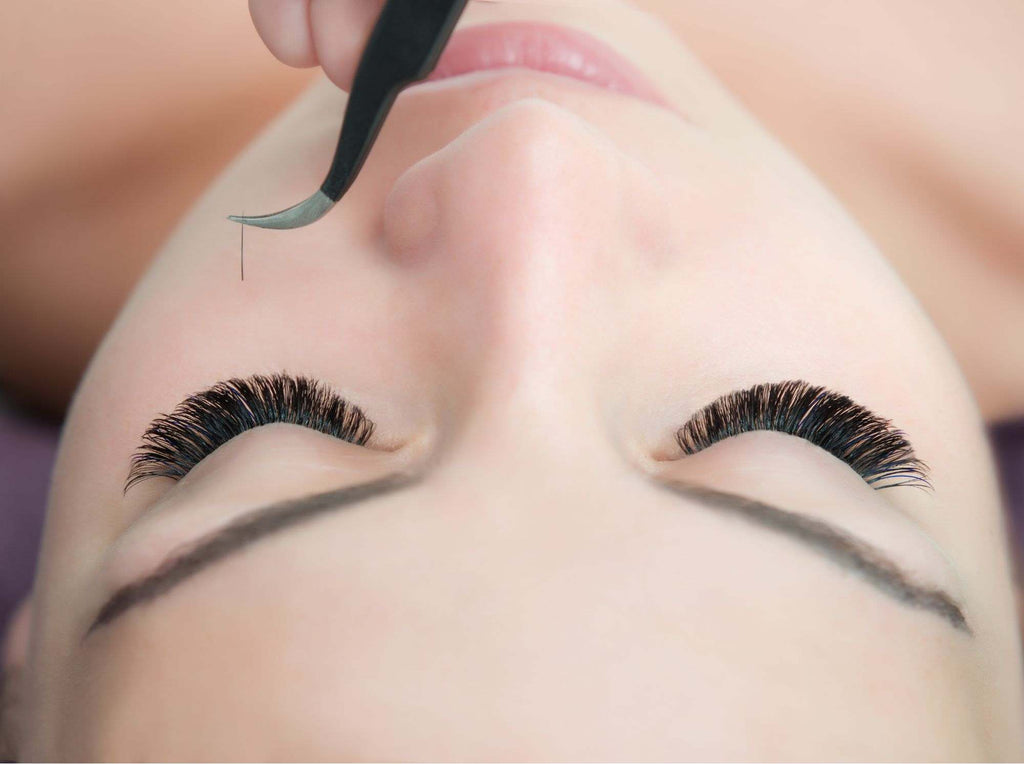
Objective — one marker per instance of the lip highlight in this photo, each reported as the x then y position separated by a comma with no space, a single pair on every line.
548,48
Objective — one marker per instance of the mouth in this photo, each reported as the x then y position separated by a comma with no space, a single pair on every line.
549,48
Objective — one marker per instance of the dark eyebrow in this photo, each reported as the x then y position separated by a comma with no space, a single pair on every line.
841,547
239,534
835,544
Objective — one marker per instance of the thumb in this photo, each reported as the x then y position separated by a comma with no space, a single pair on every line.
327,33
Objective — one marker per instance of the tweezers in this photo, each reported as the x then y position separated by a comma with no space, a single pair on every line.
403,48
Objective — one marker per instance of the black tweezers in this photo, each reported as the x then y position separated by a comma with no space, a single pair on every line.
404,47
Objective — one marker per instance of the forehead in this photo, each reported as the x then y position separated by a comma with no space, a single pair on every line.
419,625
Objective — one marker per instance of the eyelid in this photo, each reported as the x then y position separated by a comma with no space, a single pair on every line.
264,465
792,473
901,563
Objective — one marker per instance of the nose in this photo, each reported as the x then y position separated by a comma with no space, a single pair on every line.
519,198
526,238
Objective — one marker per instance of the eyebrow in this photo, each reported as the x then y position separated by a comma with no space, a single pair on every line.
839,546
842,548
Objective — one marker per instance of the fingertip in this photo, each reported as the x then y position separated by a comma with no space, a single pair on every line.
284,27
340,31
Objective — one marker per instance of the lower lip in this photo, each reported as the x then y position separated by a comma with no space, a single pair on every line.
546,48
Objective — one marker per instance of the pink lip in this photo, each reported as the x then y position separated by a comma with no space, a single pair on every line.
546,48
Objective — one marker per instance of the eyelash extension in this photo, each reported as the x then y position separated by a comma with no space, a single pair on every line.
175,443
877,451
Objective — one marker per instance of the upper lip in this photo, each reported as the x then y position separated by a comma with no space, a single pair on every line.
546,47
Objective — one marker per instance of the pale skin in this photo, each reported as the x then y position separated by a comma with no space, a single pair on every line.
533,284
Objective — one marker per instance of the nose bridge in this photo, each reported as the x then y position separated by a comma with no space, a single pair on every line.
511,226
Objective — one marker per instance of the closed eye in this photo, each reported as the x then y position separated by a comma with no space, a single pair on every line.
871,445
175,443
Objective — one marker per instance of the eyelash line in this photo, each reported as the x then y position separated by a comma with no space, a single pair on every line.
871,445
175,443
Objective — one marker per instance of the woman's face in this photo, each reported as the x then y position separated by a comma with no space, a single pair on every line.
534,284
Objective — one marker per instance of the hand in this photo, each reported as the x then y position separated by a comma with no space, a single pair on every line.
330,34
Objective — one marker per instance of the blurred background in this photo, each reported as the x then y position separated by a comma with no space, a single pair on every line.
116,114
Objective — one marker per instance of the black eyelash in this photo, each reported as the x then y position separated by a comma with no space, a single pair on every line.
877,451
175,443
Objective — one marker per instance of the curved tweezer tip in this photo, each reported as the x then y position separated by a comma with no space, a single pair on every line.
303,213
404,47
